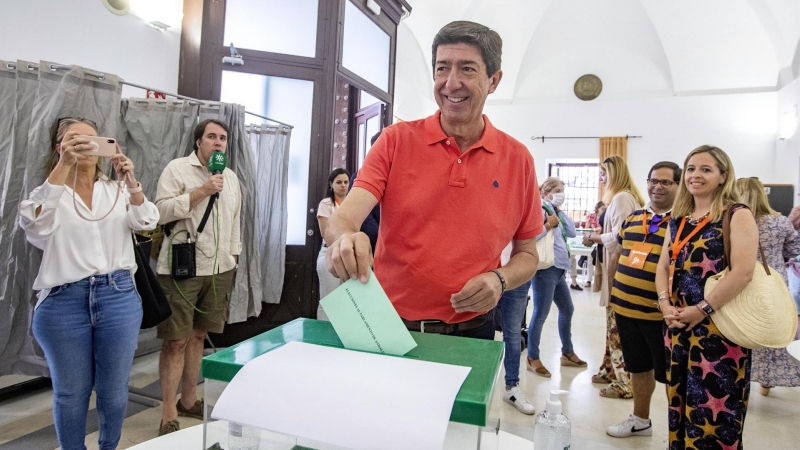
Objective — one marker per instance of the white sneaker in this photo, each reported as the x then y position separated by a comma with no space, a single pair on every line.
632,426
517,398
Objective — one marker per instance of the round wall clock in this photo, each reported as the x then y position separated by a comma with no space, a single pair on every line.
588,87
118,7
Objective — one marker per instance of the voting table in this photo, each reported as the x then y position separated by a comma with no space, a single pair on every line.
470,409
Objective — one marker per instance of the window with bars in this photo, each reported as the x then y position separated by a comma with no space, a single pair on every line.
581,182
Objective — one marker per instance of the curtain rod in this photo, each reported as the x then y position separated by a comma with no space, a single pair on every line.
191,100
578,137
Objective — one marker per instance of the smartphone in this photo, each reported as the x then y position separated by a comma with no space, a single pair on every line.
101,146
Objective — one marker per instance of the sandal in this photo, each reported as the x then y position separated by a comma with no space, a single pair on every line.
600,379
572,360
169,427
610,392
541,370
195,410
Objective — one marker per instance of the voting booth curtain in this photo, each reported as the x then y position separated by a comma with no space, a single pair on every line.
152,133
271,145
41,96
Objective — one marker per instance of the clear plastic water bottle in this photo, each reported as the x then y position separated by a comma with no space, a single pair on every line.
243,437
552,430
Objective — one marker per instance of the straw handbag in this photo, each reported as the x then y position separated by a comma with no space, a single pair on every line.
547,256
763,314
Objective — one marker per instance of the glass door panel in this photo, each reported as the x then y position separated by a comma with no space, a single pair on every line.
366,49
291,101
278,26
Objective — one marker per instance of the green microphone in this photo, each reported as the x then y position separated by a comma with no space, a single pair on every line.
217,163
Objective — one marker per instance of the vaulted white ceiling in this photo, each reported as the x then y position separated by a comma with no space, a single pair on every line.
638,48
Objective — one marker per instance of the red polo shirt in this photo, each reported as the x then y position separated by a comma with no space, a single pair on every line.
446,216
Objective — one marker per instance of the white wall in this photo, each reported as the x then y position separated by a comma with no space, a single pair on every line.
744,125
787,151
85,33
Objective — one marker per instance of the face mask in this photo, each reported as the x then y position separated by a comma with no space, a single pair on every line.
558,199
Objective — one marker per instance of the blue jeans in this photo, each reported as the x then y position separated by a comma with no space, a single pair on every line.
511,309
549,286
89,331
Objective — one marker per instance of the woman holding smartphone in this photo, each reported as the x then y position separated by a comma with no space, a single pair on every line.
88,314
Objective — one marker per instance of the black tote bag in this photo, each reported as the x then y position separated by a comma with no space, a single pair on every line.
155,306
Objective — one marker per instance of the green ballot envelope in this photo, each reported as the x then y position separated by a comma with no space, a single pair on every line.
365,319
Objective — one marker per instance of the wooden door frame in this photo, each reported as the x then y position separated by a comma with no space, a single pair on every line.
200,68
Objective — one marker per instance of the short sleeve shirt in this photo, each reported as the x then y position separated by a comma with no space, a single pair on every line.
445,215
633,293
326,209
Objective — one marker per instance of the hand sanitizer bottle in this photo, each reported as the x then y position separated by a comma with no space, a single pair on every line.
552,429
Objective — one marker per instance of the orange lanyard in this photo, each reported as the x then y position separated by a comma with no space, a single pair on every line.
677,246
644,225
336,200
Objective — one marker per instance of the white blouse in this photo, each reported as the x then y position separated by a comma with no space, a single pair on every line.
75,248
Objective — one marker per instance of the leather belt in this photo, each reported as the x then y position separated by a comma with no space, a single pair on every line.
439,327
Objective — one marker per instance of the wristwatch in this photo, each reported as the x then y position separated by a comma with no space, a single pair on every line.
706,308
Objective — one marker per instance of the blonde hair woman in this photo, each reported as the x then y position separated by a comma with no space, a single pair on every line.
88,314
622,198
708,376
780,241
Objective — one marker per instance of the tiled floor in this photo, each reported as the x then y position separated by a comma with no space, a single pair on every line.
772,422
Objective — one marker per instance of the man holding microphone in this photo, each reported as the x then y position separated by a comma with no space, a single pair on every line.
198,281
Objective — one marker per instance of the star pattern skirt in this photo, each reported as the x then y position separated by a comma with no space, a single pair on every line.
708,388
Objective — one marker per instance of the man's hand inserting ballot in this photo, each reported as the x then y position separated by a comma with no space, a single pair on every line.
350,257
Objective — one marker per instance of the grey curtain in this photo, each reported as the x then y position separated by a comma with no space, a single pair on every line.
271,148
18,350
154,132
248,288
58,93
8,101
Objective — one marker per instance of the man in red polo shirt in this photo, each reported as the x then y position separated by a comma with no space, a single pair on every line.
454,191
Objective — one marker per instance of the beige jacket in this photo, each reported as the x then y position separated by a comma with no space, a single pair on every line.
179,178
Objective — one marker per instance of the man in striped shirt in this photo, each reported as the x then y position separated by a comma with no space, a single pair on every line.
634,299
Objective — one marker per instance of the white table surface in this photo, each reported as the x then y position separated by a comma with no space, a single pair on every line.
192,439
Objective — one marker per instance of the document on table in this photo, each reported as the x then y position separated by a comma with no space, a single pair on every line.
365,319
346,398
